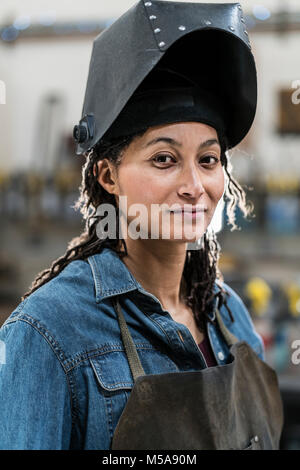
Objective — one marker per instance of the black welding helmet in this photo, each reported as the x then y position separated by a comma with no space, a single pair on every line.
165,61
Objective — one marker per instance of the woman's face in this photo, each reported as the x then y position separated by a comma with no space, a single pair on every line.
171,164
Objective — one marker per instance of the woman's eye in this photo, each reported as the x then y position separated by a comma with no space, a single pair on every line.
210,159
162,158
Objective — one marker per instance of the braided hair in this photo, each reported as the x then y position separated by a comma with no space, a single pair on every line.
201,269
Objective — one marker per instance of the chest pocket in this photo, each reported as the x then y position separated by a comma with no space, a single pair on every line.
115,381
113,372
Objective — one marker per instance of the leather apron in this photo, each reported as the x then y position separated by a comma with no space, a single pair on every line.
233,406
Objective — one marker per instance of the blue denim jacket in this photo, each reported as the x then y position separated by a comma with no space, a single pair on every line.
66,379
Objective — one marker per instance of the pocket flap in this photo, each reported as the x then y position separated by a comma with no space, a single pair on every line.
112,370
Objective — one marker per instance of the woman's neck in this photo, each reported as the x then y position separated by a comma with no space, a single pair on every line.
158,267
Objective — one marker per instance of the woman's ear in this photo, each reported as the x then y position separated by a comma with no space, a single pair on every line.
107,176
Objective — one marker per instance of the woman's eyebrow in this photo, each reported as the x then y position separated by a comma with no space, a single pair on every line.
169,140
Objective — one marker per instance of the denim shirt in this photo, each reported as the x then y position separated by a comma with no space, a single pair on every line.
66,380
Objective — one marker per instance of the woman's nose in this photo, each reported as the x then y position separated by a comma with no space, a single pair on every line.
191,182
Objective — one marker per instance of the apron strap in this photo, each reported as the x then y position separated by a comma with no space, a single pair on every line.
130,349
228,336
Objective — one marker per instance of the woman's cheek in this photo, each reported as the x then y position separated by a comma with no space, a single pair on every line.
218,187
138,190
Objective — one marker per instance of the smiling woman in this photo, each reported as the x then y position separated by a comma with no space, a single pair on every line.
130,339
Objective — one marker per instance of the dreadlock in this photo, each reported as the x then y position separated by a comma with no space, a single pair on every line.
201,269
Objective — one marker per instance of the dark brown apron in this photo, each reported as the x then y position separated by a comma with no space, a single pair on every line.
232,406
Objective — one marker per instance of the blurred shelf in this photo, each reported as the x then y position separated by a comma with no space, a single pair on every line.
261,245
290,384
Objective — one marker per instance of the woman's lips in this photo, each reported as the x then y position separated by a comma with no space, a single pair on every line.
190,214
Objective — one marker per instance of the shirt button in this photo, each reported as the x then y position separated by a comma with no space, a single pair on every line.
221,355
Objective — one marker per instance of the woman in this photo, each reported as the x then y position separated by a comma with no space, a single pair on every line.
135,342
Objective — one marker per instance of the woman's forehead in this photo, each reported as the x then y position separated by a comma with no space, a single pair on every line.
182,131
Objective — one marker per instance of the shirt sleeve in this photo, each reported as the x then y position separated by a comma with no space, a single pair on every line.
35,405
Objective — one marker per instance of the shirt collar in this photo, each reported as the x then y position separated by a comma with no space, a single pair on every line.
112,277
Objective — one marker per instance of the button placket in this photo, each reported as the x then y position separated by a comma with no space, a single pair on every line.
216,345
191,339
181,339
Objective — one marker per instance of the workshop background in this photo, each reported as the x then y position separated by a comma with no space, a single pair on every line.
44,60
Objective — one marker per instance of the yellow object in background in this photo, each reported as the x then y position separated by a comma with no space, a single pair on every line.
292,290
4,178
259,293
282,184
